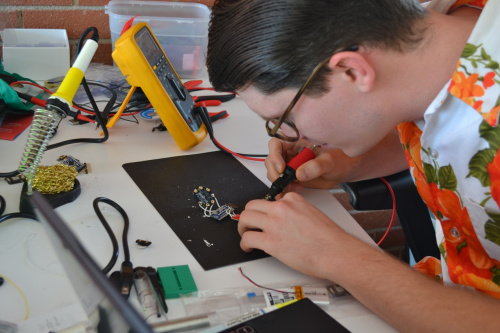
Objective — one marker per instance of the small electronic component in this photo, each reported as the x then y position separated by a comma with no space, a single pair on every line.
337,290
222,212
204,196
71,161
15,179
207,200
142,243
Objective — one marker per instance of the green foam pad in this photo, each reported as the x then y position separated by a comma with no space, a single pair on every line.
176,280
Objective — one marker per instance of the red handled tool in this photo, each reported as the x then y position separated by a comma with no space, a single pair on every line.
42,103
288,176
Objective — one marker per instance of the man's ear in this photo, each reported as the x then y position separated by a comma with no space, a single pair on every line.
356,69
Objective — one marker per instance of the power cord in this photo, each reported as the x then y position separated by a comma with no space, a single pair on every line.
94,105
124,278
205,117
393,211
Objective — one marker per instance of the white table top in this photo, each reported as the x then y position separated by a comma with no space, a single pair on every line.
27,259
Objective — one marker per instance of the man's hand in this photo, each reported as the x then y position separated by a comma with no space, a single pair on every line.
330,167
293,231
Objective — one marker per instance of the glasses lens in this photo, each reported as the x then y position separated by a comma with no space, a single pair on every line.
287,131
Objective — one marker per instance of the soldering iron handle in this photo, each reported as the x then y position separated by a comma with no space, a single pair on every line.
305,154
289,175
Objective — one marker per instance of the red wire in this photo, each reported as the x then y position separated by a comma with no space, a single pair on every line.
238,155
75,106
32,84
393,210
132,113
46,90
258,285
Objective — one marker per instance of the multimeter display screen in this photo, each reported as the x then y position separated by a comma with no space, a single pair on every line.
148,45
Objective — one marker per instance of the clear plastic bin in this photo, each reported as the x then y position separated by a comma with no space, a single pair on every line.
38,54
181,29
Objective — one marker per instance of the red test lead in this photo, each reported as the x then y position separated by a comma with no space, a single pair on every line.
288,176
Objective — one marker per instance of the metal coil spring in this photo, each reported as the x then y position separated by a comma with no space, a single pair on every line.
42,129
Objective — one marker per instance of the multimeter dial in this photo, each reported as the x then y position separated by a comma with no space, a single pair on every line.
167,77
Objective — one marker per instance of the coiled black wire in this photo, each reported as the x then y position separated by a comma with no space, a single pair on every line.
114,242
114,256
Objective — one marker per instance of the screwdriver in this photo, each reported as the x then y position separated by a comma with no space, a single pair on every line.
288,176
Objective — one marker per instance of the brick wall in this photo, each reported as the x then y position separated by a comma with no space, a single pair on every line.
73,15
76,15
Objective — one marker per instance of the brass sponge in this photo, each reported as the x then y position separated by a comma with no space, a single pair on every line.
54,179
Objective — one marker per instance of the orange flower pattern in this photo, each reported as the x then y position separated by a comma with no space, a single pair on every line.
477,3
475,82
470,88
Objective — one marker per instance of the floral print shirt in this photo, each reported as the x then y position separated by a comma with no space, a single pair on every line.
453,157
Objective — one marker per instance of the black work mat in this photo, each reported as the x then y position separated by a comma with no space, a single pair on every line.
169,183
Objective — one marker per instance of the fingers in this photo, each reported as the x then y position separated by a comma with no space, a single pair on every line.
249,238
314,168
323,171
262,219
255,216
280,152
275,162
251,224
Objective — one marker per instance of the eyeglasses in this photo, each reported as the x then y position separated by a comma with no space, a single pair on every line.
273,126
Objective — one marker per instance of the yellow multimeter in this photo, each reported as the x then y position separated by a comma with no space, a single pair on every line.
144,64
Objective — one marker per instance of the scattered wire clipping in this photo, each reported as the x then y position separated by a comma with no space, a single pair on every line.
210,205
258,285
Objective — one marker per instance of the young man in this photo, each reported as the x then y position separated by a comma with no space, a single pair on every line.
364,79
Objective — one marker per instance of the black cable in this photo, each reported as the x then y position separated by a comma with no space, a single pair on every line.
126,252
205,118
9,174
95,36
110,104
17,215
3,205
101,217
6,217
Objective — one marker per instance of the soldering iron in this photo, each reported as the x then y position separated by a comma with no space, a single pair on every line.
57,107
289,175
45,122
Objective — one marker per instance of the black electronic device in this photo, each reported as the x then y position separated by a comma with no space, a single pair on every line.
301,316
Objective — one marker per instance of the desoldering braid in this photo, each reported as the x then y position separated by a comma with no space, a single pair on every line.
289,175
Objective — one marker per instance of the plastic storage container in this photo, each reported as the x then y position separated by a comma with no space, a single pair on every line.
38,54
181,29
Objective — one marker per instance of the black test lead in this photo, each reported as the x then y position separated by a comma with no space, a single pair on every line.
288,176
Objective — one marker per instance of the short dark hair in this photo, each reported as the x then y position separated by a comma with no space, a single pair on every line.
275,44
